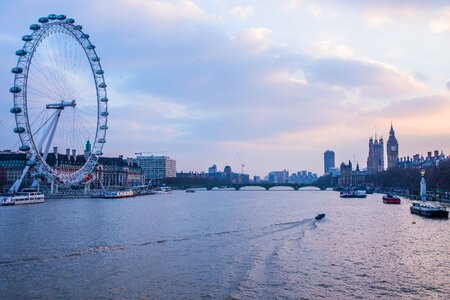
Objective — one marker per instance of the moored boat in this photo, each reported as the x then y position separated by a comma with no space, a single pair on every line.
391,199
429,211
424,209
24,197
118,194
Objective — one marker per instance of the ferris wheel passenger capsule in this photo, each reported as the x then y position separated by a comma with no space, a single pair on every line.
35,27
61,17
19,130
70,21
104,99
102,85
21,52
99,72
96,58
27,38
16,70
43,20
24,148
52,16
16,110
15,89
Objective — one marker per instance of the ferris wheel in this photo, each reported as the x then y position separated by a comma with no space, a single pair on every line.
60,100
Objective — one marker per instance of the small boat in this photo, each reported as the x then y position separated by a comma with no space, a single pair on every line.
162,190
26,196
424,209
118,194
320,216
391,199
353,194
190,191
429,211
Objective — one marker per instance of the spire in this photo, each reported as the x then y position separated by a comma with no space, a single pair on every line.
391,132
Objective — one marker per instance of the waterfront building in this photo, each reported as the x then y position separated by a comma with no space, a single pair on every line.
375,160
157,168
392,149
303,177
278,176
328,161
212,169
419,161
345,177
11,168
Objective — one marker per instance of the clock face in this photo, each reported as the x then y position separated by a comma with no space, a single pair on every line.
393,148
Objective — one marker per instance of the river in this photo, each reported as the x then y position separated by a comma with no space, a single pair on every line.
223,245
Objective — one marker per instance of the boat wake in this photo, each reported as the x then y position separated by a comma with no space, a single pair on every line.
253,234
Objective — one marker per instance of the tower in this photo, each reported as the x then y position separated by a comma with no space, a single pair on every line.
375,160
328,161
392,149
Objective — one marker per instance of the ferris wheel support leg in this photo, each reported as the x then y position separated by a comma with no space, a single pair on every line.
15,187
52,127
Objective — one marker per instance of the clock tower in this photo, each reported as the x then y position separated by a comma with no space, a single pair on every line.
392,149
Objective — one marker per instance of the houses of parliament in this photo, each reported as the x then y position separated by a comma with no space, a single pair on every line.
375,160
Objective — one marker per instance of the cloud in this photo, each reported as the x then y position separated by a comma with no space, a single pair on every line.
256,39
242,12
369,77
442,23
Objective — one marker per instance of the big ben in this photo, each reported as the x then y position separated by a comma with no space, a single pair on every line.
392,149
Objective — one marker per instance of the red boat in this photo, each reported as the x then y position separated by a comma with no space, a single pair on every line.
391,199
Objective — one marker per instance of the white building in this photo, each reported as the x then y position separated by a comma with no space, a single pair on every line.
157,167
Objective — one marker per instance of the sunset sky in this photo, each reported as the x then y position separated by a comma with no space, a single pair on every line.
278,82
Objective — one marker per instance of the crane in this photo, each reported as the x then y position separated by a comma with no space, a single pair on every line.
242,163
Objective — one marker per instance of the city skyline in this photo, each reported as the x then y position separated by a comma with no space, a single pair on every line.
278,82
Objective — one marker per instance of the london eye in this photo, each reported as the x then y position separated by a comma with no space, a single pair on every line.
60,100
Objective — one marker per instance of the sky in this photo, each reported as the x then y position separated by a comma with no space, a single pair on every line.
271,83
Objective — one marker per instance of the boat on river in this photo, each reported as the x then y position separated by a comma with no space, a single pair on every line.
429,211
320,216
353,194
27,196
391,199
423,208
118,194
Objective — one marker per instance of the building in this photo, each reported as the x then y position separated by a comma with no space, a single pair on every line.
419,161
11,168
278,176
375,161
392,149
212,169
345,177
157,168
328,161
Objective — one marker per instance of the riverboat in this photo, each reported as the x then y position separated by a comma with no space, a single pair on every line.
429,211
24,197
118,194
162,190
353,194
391,199
190,191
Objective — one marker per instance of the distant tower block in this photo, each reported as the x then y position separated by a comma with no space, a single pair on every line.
328,161
392,149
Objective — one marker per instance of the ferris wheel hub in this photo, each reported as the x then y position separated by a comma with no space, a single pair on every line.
61,105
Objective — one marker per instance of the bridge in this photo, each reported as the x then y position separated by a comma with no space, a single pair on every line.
266,186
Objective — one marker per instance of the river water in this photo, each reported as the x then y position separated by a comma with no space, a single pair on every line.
225,245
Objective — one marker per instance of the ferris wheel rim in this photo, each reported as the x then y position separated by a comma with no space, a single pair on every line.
61,24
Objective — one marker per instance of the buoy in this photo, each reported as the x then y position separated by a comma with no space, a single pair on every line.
414,222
